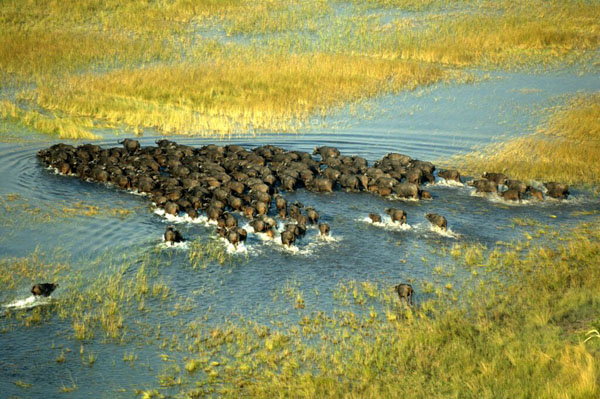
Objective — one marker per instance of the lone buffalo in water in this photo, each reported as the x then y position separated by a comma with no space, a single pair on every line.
43,289
450,175
375,217
397,215
405,291
324,229
172,235
437,220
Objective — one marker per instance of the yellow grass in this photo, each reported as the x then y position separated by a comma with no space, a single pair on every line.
264,94
531,33
170,65
564,150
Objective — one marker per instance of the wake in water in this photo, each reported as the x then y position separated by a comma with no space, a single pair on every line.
201,219
448,183
177,245
528,201
329,238
240,248
444,233
28,303
395,197
387,224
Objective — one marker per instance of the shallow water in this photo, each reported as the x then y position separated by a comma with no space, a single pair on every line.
435,123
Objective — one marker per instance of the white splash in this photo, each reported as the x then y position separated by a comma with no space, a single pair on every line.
448,183
177,245
328,238
136,192
388,224
201,219
55,170
395,197
261,236
445,233
28,303
241,248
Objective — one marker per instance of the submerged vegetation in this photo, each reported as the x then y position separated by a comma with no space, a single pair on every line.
222,67
565,149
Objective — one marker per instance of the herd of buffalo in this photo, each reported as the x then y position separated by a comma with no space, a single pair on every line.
223,180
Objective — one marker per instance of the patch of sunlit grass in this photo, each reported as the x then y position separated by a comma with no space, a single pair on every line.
149,65
566,150
266,93
52,124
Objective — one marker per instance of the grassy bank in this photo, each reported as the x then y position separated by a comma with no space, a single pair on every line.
565,149
213,67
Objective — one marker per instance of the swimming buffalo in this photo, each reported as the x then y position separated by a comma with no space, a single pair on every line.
288,238
43,289
397,215
498,178
484,185
535,193
375,217
324,229
406,190
171,235
450,175
511,195
437,221
130,145
557,190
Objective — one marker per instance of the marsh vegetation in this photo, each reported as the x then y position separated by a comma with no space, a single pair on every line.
210,68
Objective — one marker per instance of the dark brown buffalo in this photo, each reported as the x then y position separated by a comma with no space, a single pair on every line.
498,178
324,229
43,289
511,195
375,218
437,220
405,292
288,238
484,186
397,215
172,235
450,175
557,190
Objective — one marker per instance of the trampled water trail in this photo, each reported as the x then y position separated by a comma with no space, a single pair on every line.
28,303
